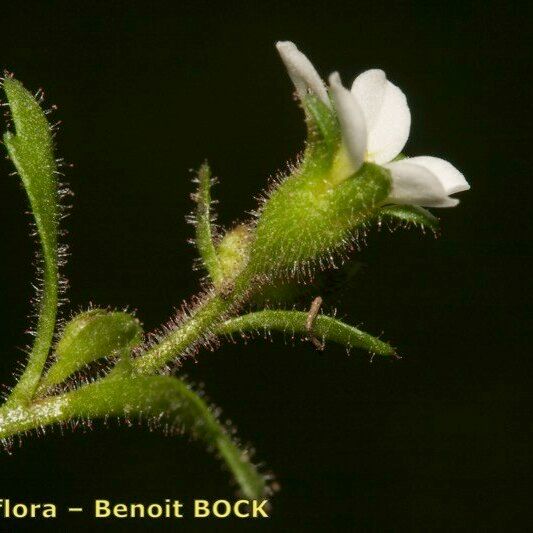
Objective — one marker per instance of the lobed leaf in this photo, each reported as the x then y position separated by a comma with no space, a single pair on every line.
30,148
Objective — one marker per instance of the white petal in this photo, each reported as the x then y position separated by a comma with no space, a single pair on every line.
369,89
352,121
450,178
387,114
302,72
413,184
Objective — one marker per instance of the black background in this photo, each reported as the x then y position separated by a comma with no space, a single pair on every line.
146,91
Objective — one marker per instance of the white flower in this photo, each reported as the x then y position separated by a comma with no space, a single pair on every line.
302,72
375,121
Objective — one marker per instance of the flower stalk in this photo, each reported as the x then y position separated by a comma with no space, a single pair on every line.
351,176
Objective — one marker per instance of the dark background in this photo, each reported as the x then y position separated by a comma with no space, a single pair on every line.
146,91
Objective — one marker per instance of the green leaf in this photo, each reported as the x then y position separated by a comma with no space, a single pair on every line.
89,336
324,327
30,148
409,215
204,229
164,399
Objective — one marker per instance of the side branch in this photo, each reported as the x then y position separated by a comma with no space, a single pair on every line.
155,397
181,339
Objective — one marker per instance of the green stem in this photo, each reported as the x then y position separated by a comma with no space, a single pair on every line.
185,336
139,397
27,385
213,310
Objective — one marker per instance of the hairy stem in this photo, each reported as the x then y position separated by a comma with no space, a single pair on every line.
184,337
27,385
139,397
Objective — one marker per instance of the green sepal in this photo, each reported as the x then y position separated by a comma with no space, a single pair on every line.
89,336
31,150
400,157
409,215
322,124
310,218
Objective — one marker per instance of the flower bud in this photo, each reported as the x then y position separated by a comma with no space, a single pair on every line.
233,251
314,214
